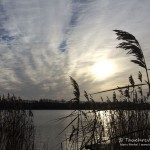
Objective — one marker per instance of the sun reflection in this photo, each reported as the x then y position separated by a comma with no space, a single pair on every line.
103,69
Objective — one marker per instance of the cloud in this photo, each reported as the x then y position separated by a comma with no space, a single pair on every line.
76,11
44,42
4,33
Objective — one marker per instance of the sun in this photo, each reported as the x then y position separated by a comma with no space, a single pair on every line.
103,69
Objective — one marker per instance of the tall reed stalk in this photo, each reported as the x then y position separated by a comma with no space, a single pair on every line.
96,129
131,44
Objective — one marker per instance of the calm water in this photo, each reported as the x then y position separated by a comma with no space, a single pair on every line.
47,128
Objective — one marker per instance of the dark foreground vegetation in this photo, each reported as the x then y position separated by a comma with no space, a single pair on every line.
116,129
16,129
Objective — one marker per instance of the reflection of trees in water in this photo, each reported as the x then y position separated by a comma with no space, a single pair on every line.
97,129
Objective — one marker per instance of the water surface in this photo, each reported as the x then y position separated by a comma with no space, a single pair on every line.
48,128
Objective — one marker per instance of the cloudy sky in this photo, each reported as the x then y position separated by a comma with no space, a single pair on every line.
43,42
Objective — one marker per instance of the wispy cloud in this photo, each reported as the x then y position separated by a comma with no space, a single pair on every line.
44,42
77,10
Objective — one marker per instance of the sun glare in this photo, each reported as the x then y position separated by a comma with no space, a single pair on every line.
103,69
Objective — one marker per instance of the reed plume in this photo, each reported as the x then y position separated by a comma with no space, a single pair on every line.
76,91
133,47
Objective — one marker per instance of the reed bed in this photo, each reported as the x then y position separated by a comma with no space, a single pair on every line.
96,129
16,126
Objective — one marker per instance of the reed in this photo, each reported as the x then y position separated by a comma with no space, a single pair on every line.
98,129
16,126
131,44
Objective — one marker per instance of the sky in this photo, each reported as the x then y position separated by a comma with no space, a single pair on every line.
43,42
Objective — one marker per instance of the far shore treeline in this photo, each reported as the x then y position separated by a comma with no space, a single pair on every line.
12,102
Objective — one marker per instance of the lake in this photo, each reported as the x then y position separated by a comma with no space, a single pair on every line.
47,128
